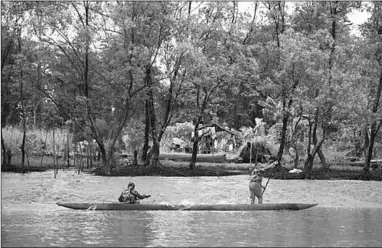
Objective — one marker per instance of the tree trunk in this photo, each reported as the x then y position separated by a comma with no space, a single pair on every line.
194,153
282,142
102,151
319,151
369,151
327,115
22,147
135,161
201,106
67,150
147,133
6,154
153,156
87,45
54,157
308,165
107,154
3,154
366,140
374,126
110,162
195,145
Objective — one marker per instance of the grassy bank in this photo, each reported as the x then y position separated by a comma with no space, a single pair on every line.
180,169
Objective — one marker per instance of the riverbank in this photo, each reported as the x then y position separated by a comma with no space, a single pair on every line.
339,172
181,169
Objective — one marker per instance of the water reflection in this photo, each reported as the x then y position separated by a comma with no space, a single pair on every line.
312,227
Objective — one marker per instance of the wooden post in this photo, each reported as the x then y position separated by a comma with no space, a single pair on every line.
250,154
68,150
80,164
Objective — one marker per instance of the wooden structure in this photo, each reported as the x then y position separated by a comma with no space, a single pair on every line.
216,138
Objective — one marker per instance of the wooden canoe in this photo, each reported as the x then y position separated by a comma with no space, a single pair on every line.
196,207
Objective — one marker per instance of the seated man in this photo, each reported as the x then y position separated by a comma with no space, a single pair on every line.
255,187
130,195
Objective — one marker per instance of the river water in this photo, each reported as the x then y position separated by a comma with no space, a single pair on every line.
349,213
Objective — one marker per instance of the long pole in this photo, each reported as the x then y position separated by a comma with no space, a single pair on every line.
265,187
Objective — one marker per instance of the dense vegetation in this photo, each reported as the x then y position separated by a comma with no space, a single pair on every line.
103,69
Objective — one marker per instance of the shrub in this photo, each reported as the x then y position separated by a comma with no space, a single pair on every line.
37,141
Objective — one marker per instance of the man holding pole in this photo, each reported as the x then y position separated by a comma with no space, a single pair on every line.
255,184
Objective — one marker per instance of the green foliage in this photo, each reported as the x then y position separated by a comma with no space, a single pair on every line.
38,141
180,130
94,64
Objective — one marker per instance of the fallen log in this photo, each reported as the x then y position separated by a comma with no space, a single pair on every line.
361,163
185,157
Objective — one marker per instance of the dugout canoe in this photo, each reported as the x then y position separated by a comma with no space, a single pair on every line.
196,207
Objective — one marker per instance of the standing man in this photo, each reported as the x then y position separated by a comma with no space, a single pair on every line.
255,187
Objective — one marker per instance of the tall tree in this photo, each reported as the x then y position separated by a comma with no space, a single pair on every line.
373,34
209,66
84,71
277,14
15,63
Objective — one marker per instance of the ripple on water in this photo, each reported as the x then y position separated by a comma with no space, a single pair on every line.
312,227
345,215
